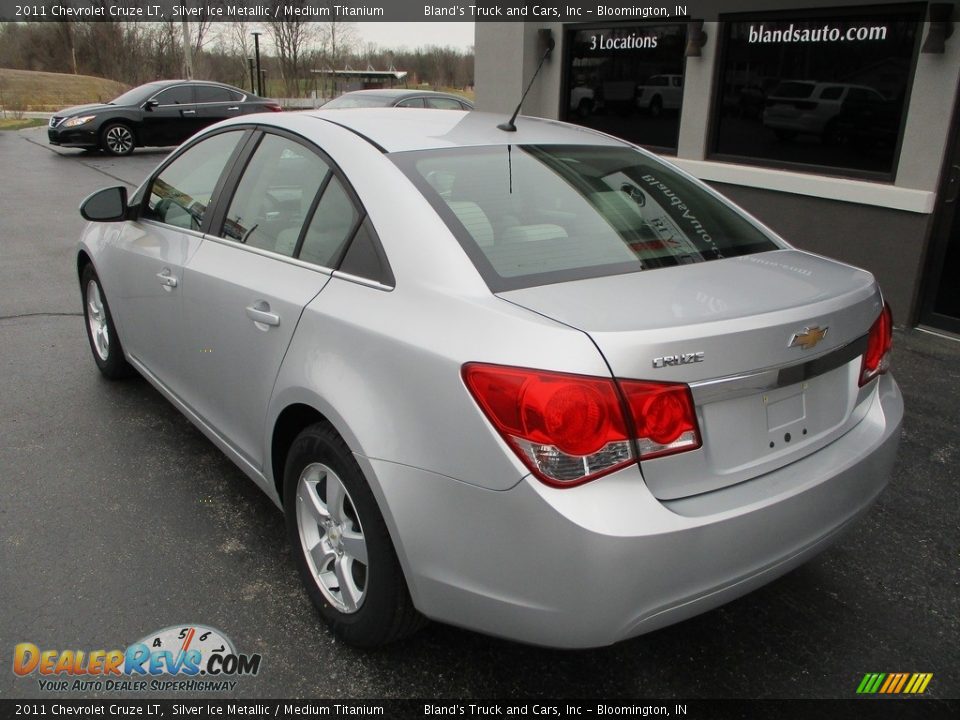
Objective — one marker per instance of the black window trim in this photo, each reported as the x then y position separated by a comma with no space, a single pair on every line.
563,108
713,121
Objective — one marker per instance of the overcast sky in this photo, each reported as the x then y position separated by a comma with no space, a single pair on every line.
416,34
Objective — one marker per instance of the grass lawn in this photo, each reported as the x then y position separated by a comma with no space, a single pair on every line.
48,92
11,124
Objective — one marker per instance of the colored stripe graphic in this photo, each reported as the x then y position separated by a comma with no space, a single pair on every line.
894,683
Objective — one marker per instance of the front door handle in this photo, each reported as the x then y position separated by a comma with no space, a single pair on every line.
259,312
166,279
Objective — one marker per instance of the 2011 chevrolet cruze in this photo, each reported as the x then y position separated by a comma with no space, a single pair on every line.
538,383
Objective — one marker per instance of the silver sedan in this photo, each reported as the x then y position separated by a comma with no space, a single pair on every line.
540,384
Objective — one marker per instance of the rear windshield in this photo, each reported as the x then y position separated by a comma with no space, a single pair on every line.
536,214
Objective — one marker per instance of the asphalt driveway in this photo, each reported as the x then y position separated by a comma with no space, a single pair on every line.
118,518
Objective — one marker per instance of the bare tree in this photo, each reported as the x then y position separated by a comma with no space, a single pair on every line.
292,39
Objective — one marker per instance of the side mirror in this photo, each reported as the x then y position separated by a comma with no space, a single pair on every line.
108,205
150,105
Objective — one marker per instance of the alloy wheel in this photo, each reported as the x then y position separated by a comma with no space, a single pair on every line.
332,537
119,140
97,321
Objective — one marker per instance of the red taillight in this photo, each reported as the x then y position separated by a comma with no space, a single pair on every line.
569,429
273,107
664,417
879,341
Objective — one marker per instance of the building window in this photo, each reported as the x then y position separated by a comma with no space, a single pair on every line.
823,91
627,80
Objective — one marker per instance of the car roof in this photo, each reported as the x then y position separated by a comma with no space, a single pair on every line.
401,92
396,130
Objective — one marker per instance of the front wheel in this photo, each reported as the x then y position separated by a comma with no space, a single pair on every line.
117,139
340,541
101,331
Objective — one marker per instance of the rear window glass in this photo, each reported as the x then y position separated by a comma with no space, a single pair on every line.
531,215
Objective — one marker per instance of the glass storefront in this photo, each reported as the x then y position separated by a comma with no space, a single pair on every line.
627,80
821,90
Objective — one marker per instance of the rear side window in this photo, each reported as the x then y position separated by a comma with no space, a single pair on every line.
332,225
213,93
531,215
274,196
180,194
441,103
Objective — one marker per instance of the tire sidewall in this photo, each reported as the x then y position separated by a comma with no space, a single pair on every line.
369,625
115,366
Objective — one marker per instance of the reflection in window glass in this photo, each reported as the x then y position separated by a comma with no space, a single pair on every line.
180,194
274,196
628,81
826,90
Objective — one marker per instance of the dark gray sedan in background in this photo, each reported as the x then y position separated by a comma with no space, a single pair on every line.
401,98
540,384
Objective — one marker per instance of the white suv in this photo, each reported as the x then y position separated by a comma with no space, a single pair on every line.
802,106
659,93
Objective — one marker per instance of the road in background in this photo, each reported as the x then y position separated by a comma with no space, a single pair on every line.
118,518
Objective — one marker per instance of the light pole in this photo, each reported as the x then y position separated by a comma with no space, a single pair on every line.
253,83
256,53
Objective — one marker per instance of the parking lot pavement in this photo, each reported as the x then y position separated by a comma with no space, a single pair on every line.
118,518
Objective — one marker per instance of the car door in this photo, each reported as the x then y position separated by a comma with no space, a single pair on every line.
170,116
215,103
147,261
245,289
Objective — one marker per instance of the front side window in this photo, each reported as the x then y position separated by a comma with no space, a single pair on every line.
179,95
531,215
181,193
627,80
821,90
274,195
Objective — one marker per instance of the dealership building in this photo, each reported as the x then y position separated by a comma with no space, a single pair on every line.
838,127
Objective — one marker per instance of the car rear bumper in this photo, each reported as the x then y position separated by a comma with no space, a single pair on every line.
596,564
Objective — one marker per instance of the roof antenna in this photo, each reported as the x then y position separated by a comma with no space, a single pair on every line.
545,38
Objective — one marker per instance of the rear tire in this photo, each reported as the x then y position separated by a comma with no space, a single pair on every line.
101,331
656,107
117,139
341,544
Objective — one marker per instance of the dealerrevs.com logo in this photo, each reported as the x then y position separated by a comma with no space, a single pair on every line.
188,658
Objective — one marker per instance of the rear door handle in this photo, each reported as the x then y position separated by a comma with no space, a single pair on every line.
188,112
166,279
259,312
234,108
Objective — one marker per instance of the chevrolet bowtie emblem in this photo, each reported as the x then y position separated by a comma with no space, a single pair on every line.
809,337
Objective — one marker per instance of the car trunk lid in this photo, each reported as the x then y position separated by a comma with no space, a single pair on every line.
769,343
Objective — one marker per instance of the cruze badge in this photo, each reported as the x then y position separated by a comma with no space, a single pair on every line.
681,359
809,337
